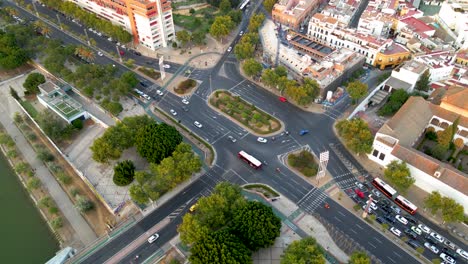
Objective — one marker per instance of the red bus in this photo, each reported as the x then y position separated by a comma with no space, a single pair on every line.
406,205
384,188
253,162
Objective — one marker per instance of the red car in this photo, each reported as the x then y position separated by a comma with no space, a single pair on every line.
359,193
283,99
121,52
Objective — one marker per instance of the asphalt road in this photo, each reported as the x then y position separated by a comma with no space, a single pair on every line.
215,130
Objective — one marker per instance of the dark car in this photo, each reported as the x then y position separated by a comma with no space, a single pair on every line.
411,233
303,132
381,220
414,244
355,198
390,218
411,219
137,53
386,209
432,240
144,84
449,252
385,202
149,62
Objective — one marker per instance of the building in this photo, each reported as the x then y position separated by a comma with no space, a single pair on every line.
59,102
293,13
440,64
150,21
396,139
379,52
341,10
454,15
375,22
405,76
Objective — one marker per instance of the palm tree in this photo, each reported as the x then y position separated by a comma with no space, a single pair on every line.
84,53
12,11
41,27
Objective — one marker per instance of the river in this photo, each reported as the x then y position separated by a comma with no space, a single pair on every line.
25,237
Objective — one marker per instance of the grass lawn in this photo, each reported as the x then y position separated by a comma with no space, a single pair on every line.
29,108
246,113
192,23
265,190
304,162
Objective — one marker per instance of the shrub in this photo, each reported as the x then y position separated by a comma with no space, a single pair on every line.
44,155
78,124
64,178
431,135
54,167
74,192
123,173
21,167
83,204
46,202
12,154
56,223
31,136
34,183
184,86
53,210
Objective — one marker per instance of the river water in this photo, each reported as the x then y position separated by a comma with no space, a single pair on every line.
25,237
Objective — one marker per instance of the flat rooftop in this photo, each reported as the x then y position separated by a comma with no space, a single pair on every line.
307,43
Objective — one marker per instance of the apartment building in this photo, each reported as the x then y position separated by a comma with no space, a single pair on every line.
150,21
341,10
454,15
293,13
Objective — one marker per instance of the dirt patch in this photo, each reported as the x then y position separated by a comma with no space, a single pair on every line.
172,257
247,115
96,218
25,69
186,11
185,87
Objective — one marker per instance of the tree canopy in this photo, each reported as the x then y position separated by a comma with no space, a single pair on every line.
450,209
11,55
220,247
157,141
252,67
124,172
423,82
304,251
268,5
54,127
256,225
221,27
399,175
183,37
356,134
356,90
394,103
359,257
33,81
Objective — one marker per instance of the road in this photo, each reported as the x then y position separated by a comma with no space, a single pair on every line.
216,128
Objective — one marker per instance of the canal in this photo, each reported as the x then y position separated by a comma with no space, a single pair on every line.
24,235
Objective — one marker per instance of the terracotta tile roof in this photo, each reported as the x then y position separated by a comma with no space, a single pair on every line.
448,175
417,25
457,96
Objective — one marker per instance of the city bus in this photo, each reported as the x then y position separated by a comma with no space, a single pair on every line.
253,162
406,205
384,188
244,4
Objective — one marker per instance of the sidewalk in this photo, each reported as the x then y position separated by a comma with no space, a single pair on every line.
8,107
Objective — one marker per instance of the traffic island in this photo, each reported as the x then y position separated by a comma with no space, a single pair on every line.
245,114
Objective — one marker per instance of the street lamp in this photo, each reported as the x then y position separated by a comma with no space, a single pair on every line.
60,23
118,53
35,9
366,210
87,38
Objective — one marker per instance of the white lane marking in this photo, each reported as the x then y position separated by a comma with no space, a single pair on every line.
362,228
391,259
400,256
352,230
378,240
341,214
371,244
337,219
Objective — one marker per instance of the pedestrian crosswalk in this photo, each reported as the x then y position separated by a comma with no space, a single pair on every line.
312,200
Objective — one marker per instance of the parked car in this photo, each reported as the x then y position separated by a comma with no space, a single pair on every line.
395,231
229,49
262,140
447,258
241,33
197,124
424,228
401,219
417,230
283,99
437,237
303,132
431,247
153,238
462,253
173,112
414,244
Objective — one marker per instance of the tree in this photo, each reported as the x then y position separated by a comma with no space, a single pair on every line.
433,202
356,134
44,154
53,126
129,78
220,247
33,81
256,225
255,22
356,90
123,173
183,37
192,229
11,55
157,141
304,251
268,5
359,257
423,83
83,204
244,50
221,27
198,37
394,103
236,16
14,93
452,211
225,6
399,175
251,67
445,137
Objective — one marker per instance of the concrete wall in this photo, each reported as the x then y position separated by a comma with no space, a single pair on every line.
343,77
363,105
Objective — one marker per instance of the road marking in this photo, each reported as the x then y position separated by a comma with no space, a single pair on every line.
237,85
397,254
306,195
341,214
360,227
378,240
337,219
391,259
212,143
371,244
239,176
352,230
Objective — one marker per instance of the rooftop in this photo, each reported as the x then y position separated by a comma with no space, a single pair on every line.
414,66
417,25
395,48
293,7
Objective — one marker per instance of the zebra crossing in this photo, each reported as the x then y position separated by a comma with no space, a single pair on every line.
312,200
336,149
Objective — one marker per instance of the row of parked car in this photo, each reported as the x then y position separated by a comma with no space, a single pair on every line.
418,234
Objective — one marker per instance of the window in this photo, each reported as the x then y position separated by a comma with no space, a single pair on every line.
375,153
382,156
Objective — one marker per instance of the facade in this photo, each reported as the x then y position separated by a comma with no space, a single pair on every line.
391,56
454,14
150,21
375,22
341,10
293,13
405,76
440,64
396,138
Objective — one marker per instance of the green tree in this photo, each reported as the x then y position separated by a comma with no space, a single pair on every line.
220,247
183,37
445,137
192,229
14,93
44,154
53,126
198,37
399,175
423,83
157,141
236,16
221,27
225,6
356,134
255,22
251,67
359,257
256,225
304,251
394,103
433,202
356,90
83,204
452,211
129,78
11,54
124,172
244,50
33,81
268,5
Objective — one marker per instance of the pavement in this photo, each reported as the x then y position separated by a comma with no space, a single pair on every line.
8,107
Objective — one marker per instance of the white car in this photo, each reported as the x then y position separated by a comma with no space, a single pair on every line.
197,124
401,219
147,97
395,209
373,206
229,49
376,193
437,237
447,258
416,230
395,231
359,185
158,92
123,46
173,112
432,247
99,34
184,101
166,66
369,210
241,33
138,92
424,228
462,253
109,39
262,140
233,140
153,238
100,54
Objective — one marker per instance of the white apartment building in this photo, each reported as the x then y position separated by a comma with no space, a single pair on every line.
454,14
149,21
